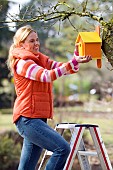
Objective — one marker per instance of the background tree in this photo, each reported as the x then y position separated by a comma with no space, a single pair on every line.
5,38
61,11
5,33
58,24
44,29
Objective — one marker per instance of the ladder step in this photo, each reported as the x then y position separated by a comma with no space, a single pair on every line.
49,153
87,153
66,126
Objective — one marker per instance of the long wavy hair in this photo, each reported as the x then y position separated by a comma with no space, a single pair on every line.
19,37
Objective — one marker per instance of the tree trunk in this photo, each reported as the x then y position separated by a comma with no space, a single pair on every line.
107,41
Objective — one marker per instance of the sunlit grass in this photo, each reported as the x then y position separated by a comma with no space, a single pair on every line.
72,115
69,114
105,123
6,122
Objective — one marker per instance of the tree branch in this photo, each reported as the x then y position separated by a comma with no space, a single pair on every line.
55,13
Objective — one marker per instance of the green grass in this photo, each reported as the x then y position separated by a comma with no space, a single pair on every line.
6,122
105,125
103,120
72,115
6,111
69,114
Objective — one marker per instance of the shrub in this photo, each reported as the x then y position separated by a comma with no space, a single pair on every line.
9,152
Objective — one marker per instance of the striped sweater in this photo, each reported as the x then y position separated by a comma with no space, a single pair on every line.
35,98
29,69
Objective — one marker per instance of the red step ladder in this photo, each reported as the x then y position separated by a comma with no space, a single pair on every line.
78,147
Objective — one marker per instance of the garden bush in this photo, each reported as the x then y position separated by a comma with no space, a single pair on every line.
10,149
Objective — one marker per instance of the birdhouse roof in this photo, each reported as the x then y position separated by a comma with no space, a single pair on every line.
89,37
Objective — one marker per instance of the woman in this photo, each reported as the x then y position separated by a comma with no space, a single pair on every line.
33,74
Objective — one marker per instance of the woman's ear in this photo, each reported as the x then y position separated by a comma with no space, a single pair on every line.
21,44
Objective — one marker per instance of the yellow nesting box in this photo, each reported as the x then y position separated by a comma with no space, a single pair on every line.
89,43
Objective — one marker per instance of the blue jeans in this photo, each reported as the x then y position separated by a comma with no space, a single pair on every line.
38,135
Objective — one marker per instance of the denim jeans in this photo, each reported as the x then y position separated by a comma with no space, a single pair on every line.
38,135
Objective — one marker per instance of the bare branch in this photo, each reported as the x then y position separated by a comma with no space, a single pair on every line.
55,13
84,5
63,11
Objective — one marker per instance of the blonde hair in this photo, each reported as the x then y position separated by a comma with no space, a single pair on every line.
20,36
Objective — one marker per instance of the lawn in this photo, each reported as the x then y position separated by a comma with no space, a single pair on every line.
6,122
70,115
103,119
73,115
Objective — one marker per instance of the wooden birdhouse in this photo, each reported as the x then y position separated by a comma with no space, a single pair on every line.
89,43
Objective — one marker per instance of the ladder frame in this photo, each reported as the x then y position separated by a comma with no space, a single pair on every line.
78,147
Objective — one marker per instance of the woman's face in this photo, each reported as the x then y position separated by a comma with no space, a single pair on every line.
31,43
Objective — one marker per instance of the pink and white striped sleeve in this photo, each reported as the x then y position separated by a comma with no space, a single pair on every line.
54,64
30,70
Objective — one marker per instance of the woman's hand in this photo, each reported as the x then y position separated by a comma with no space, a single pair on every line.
76,48
81,59
84,59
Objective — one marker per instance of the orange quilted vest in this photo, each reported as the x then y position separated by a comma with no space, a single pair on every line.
34,98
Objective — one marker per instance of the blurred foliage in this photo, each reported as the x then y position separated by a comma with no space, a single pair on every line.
57,41
5,38
5,33
43,29
9,152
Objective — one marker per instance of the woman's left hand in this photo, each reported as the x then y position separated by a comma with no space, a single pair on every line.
83,59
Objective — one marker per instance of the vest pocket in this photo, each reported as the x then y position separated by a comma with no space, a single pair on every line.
41,103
